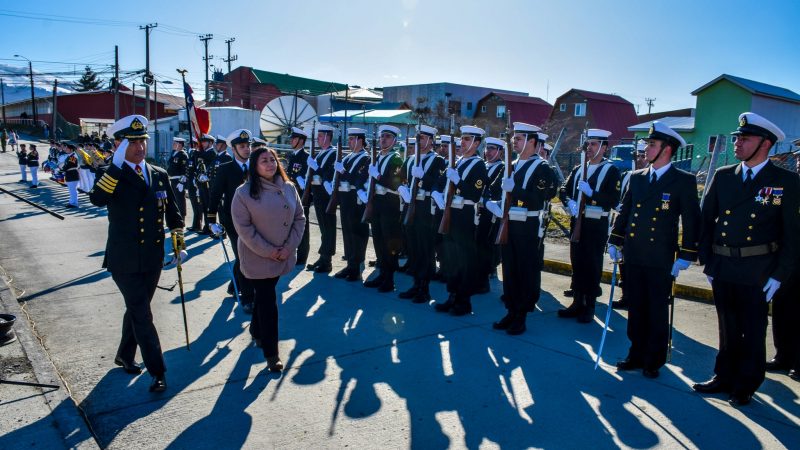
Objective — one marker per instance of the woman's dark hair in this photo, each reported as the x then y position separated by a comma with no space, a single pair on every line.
252,171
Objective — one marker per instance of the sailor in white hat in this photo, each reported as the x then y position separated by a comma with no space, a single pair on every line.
221,157
486,233
176,169
322,171
590,193
466,180
296,169
201,171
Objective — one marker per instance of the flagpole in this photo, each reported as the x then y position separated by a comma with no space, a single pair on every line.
186,101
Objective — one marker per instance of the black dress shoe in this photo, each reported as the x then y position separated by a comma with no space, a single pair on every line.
712,386
128,366
447,305
411,293
570,312
422,297
568,293
620,304
628,364
517,325
485,288
777,364
375,282
794,374
386,286
504,323
740,399
342,273
159,384
323,267
372,263
353,276
230,288
461,309
650,373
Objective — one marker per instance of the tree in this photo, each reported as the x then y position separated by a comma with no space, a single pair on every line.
89,81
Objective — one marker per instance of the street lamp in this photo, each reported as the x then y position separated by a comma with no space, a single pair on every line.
33,101
155,97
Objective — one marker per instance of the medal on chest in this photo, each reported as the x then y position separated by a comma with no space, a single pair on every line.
665,201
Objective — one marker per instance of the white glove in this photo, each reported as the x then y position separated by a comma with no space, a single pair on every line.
312,163
417,172
119,154
405,194
328,187
710,279
438,198
179,187
771,287
584,187
507,184
217,229
301,182
183,256
452,175
338,166
615,253
373,171
362,195
573,208
203,178
494,208
680,264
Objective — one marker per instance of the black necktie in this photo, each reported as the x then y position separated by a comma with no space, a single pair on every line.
653,178
748,176
244,171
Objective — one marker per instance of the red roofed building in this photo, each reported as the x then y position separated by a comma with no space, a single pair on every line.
490,111
578,109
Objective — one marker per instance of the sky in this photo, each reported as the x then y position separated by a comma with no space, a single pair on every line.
658,49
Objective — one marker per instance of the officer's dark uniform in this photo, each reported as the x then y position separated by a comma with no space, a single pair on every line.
486,233
33,158
459,244
354,233
191,187
386,232
423,228
135,247
219,159
176,168
205,168
70,167
586,256
647,231
327,222
297,166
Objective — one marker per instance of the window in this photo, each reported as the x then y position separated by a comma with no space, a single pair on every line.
562,107
483,108
469,106
501,111
580,109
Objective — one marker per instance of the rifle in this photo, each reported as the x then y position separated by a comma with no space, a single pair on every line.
444,226
576,231
411,209
307,190
334,200
502,233
373,160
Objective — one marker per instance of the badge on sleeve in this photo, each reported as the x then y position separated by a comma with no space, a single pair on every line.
665,201
479,184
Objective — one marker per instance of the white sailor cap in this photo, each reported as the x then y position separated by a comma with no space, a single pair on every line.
207,137
129,127
179,139
495,141
542,137
437,141
548,147
325,128
472,130
445,138
299,132
389,129
521,127
752,123
641,145
595,133
662,132
239,136
220,139
258,143
356,132
412,141
425,129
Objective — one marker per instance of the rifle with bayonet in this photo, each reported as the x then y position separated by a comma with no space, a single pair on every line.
411,208
306,200
450,190
502,233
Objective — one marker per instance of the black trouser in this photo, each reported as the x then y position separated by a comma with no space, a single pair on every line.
462,254
137,290
303,248
386,233
406,232
205,198
438,248
180,198
488,251
197,208
648,292
522,271
245,287
354,233
421,242
786,322
265,315
327,223
742,314
586,257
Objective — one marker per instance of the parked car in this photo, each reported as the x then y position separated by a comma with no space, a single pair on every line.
622,156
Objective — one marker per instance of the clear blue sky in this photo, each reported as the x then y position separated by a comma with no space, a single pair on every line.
658,49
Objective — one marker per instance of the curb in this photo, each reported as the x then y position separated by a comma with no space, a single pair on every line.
681,290
69,421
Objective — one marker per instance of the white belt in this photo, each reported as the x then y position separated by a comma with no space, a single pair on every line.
176,177
381,190
316,179
422,193
344,186
520,214
459,202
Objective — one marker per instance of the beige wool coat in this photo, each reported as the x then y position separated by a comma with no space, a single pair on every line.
272,221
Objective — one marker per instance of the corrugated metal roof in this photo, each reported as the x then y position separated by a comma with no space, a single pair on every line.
357,116
289,84
754,87
679,124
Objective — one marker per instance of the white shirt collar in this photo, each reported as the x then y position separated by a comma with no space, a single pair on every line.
755,169
142,165
659,172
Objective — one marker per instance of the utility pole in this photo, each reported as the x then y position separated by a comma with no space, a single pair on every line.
134,98
234,58
3,99
147,78
650,102
116,83
205,38
33,99
53,127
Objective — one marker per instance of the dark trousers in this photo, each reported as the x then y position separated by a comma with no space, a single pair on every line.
246,292
648,291
586,257
354,233
303,248
204,198
386,233
786,322
522,270
327,223
488,251
197,209
265,315
462,254
421,242
137,290
742,314
180,198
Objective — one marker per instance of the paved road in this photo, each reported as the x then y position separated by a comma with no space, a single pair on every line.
364,369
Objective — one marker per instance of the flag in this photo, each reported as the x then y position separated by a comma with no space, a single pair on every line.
200,118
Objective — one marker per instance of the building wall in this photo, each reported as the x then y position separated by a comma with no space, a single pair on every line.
717,112
573,125
488,120
785,115
242,89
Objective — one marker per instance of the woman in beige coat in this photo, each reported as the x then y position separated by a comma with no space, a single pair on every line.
268,216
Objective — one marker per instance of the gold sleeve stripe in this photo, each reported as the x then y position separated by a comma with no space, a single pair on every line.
687,250
109,178
108,191
614,234
105,185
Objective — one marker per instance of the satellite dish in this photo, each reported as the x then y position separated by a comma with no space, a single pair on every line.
283,113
